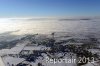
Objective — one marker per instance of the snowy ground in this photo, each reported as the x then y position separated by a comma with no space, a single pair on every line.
10,56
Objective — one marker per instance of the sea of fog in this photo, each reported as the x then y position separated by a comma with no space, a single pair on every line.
44,26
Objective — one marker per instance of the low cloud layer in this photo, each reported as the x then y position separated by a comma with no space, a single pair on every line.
47,25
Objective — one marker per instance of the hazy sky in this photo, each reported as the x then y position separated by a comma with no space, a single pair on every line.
16,8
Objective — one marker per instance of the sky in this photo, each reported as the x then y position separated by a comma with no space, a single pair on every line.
25,8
